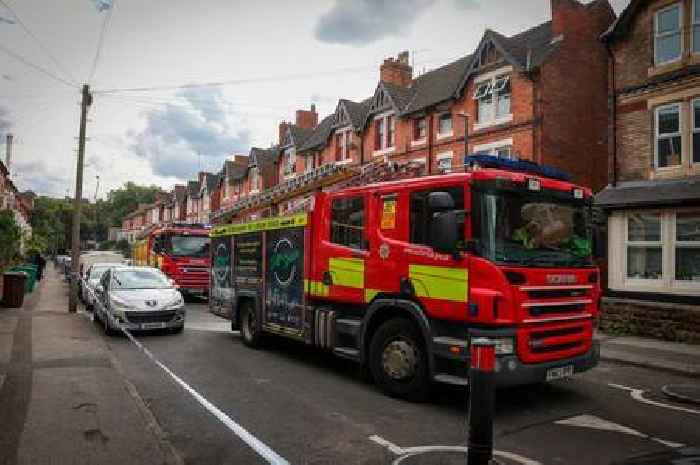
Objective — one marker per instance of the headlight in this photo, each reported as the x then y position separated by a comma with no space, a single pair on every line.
178,302
119,304
504,345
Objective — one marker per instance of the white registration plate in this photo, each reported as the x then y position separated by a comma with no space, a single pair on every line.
158,325
560,372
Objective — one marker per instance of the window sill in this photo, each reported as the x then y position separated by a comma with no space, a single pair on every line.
444,136
416,143
667,67
494,122
379,153
343,162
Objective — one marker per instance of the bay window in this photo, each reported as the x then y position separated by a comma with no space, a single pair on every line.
668,136
644,246
254,179
687,253
668,40
391,127
290,162
660,251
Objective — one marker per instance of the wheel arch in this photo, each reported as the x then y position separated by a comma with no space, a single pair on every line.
382,310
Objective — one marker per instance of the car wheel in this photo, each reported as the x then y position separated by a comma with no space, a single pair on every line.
398,360
109,331
249,330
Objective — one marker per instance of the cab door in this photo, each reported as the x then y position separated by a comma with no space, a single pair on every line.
342,250
439,281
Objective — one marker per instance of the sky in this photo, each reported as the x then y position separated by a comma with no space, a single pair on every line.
268,58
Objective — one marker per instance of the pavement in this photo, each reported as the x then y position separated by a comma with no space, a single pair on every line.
674,357
63,396
73,395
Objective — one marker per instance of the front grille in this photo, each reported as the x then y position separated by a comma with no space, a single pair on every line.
556,293
552,309
555,342
150,317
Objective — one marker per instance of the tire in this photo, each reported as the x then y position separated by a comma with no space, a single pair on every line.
108,328
249,332
398,360
178,329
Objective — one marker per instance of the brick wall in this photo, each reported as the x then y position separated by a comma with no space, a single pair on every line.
671,322
572,94
634,147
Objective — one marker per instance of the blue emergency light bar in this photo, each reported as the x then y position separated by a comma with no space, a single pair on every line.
515,164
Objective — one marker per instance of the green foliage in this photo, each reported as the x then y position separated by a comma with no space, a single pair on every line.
124,247
125,200
35,245
10,237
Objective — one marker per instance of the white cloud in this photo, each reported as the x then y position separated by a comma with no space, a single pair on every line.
361,22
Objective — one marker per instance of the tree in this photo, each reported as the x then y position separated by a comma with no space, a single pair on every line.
124,247
10,237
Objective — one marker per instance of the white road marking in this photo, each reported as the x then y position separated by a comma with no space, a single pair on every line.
593,422
257,445
638,395
406,452
215,328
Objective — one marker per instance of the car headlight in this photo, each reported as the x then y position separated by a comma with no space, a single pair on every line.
504,345
119,304
178,302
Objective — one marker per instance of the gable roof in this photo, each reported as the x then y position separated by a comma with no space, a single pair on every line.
235,171
358,111
437,85
211,181
180,192
621,26
320,134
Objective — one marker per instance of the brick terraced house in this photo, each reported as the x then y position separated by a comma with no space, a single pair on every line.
653,200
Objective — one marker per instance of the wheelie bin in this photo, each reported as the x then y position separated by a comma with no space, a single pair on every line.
31,271
14,283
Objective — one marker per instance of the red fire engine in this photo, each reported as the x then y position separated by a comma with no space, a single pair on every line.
401,275
181,251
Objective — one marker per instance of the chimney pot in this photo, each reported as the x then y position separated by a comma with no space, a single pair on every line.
397,70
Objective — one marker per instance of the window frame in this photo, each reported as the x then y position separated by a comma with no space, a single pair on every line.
418,124
449,133
493,85
694,129
675,244
448,155
290,162
381,138
644,244
361,197
694,24
657,112
656,36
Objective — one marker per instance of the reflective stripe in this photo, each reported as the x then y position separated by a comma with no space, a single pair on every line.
438,282
371,294
348,272
316,288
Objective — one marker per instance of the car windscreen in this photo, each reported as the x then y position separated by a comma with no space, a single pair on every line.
139,279
188,246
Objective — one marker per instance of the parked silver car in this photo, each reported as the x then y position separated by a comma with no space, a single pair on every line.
138,298
89,282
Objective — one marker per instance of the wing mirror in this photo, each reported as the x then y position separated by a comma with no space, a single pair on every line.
443,231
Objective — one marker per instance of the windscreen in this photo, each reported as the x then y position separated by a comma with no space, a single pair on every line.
532,229
134,278
189,246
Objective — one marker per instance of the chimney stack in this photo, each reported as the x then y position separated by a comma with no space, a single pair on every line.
282,132
307,119
565,15
8,152
397,70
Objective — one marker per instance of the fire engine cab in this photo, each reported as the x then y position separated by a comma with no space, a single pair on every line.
401,275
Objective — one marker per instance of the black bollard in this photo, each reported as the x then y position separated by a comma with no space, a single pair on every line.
480,443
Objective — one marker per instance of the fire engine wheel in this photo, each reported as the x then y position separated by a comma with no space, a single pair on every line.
249,330
398,361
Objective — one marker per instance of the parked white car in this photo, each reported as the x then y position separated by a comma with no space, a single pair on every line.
138,298
90,280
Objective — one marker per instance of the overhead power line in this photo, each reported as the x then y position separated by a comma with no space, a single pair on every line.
288,77
100,42
39,42
37,67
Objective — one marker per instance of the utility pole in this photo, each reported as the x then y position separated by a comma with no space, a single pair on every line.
97,216
8,154
85,102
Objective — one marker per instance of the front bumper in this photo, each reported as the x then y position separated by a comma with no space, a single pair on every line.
177,320
510,371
